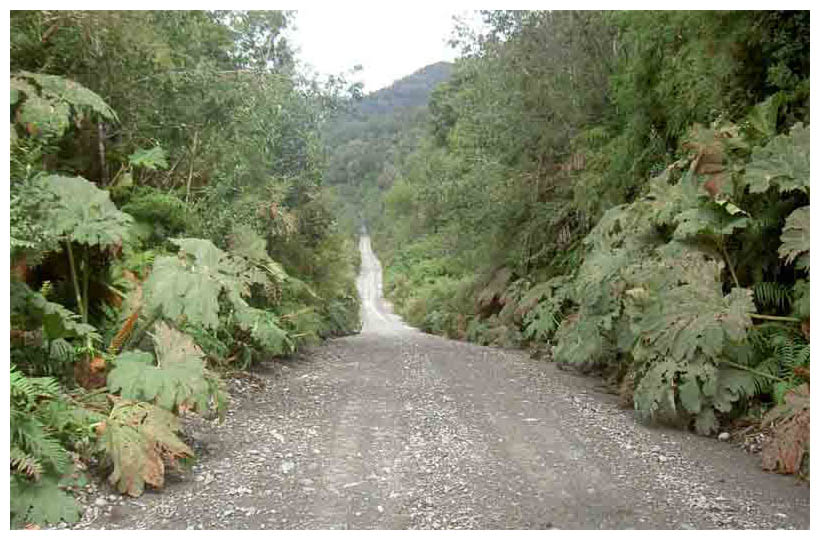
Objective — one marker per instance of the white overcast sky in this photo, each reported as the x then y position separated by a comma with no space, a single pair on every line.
388,43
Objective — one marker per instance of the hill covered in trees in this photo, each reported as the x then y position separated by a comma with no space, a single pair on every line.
410,91
367,142
627,192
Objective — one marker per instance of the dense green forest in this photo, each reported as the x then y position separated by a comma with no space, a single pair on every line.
168,225
627,193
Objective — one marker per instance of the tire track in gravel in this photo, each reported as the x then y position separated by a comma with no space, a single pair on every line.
396,429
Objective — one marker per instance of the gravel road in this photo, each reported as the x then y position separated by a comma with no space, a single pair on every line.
396,429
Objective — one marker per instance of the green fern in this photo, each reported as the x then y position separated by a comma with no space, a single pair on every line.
44,424
542,319
781,351
772,295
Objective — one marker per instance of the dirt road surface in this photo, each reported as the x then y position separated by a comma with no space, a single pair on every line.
396,429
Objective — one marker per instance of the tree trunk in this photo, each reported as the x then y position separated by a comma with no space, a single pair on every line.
101,149
191,168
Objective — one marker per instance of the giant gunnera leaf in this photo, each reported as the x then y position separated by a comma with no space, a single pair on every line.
138,439
783,162
177,378
41,502
45,104
684,332
83,213
695,317
189,284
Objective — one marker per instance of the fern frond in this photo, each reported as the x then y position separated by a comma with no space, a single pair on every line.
25,463
31,436
60,351
32,388
772,295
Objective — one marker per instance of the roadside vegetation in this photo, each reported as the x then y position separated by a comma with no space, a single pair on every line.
168,226
625,192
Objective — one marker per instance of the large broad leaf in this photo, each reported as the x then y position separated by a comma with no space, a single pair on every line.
655,393
178,378
152,158
731,384
139,438
83,213
783,162
62,90
668,200
694,316
580,341
795,238
763,116
672,388
46,104
189,285
175,289
685,328
264,328
246,242
709,218
40,503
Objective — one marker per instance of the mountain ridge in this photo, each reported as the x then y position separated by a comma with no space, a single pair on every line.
412,90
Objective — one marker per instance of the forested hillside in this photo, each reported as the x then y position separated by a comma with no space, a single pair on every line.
367,141
168,225
408,92
628,192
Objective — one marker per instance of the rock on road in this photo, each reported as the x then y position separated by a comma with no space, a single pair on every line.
396,429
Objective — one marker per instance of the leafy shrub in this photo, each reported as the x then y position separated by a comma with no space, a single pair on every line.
166,212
